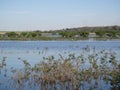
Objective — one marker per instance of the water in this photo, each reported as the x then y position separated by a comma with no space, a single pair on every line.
34,51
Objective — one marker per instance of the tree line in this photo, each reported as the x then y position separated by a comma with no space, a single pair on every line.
101,32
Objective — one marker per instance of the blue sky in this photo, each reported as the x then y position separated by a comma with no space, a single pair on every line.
57,14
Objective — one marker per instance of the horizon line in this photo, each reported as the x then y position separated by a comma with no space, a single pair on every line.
1,30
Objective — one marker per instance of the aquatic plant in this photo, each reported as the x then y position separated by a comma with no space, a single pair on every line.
89,70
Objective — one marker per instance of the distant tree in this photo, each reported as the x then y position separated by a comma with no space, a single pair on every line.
68,34
63,34
100,33
112,33
84,34
31,35
118,34
34,34
23,34
71,34
11,34
38,33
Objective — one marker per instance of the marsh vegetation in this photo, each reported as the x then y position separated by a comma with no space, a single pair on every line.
89,70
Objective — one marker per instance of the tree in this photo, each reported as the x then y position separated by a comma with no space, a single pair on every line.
100,33
84,34
68,34
11,34
111,33
23,34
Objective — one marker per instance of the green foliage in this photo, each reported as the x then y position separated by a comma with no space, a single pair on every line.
112,33
30,35
100,33
68,34
23,34
84,34
11,34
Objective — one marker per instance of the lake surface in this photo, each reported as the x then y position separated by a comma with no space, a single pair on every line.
34,51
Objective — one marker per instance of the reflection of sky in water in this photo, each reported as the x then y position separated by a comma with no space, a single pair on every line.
57,45
34,51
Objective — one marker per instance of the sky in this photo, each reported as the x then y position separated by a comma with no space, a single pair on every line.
57,14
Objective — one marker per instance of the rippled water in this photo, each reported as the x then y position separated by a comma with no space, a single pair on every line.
34,51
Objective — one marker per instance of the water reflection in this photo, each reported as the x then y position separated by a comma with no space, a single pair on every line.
14,52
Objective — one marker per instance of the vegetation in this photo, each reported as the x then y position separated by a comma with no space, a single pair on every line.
100,33
68,34
11,34
89,70
108,32
84,34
